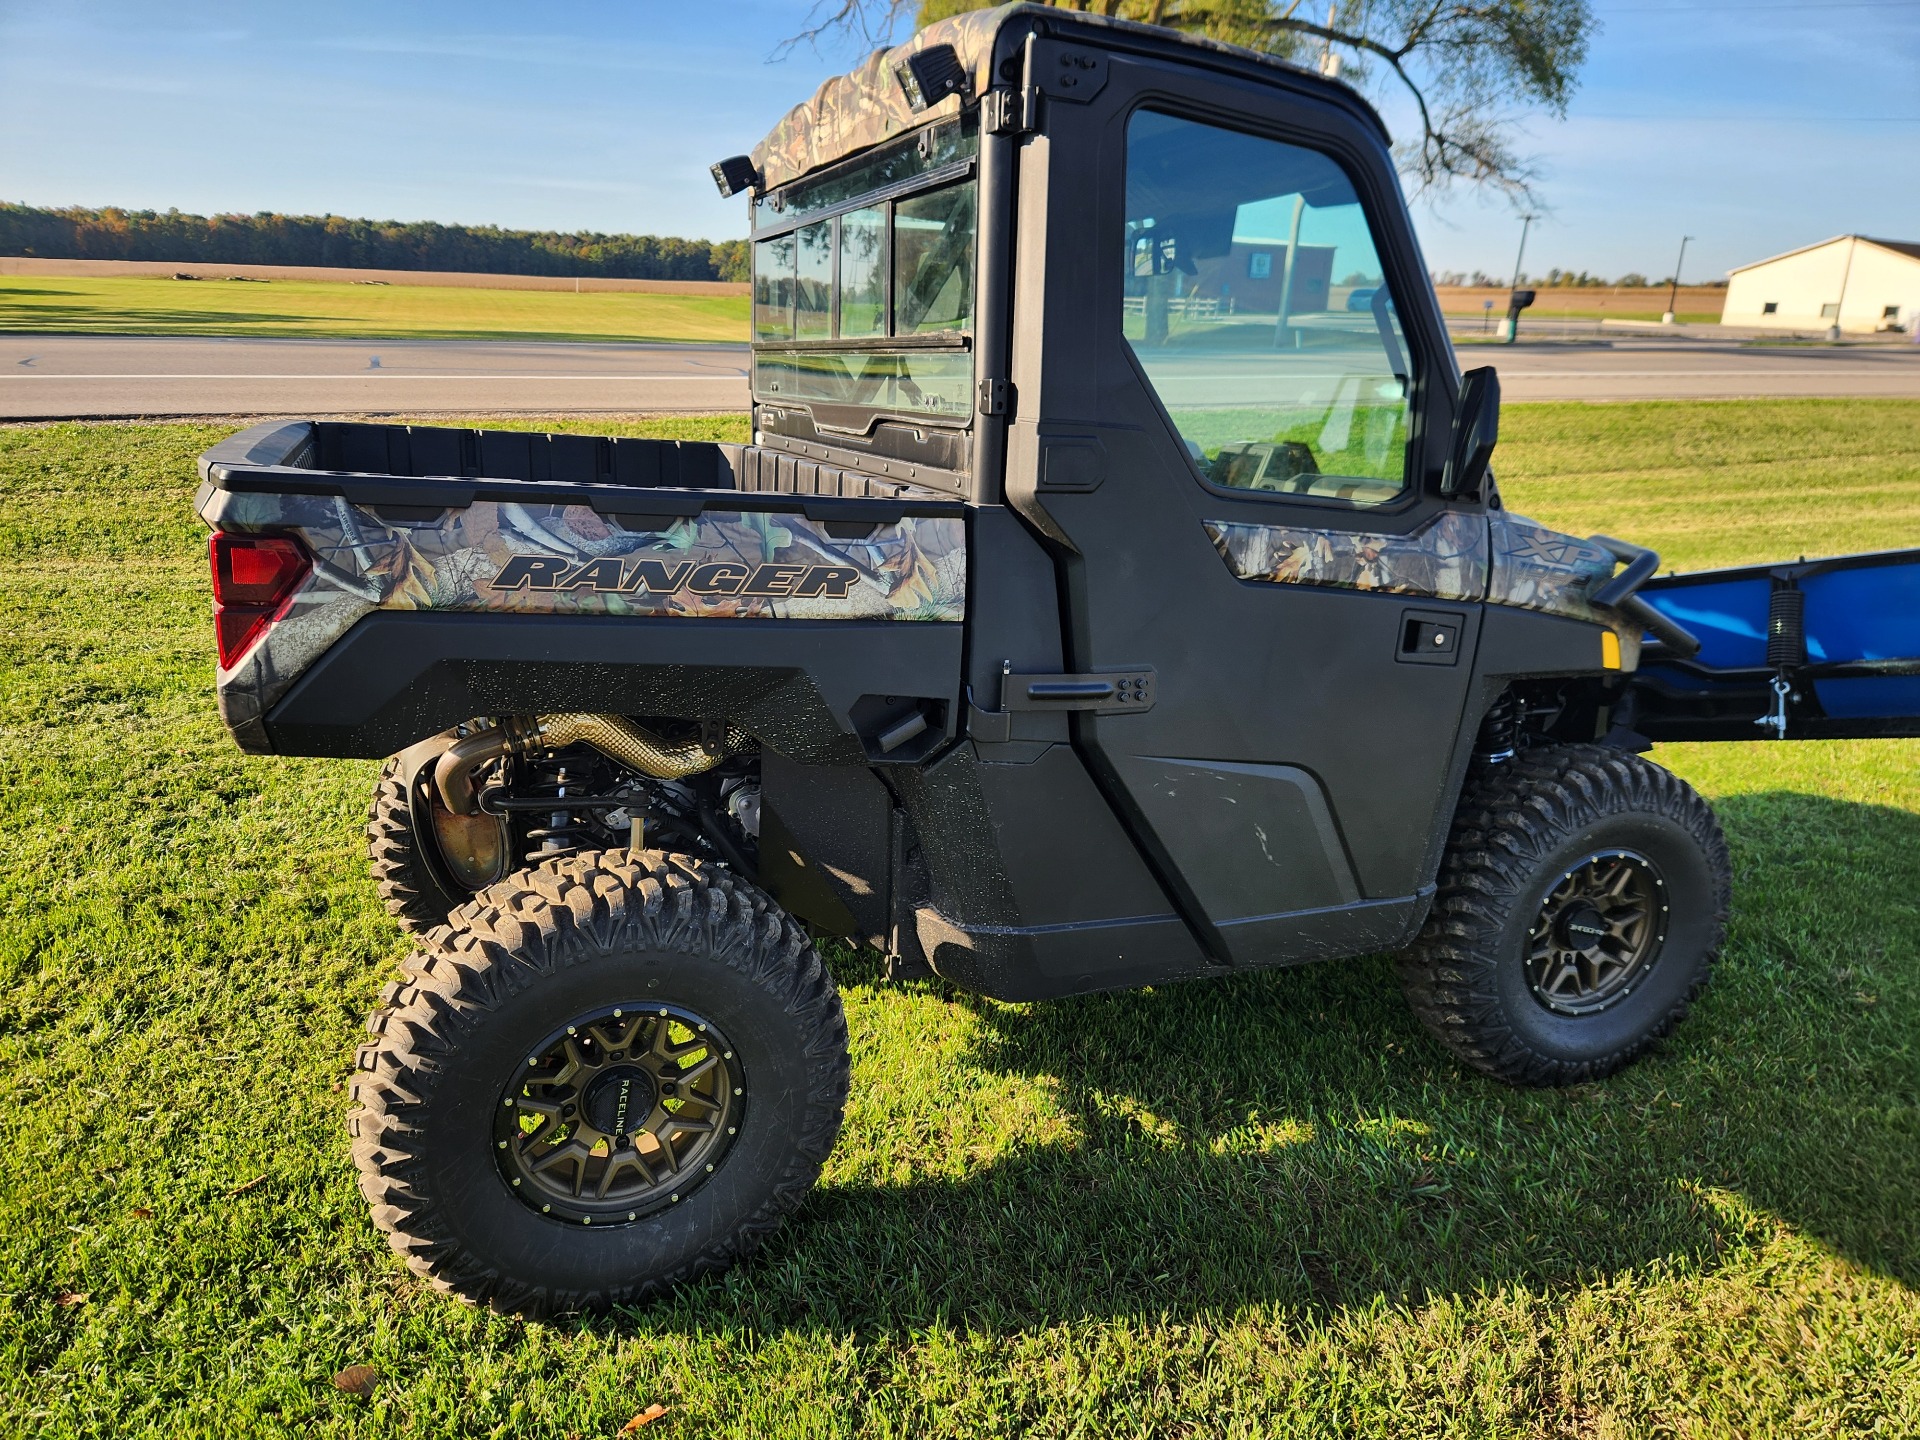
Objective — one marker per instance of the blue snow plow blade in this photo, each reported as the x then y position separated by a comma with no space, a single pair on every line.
1814,650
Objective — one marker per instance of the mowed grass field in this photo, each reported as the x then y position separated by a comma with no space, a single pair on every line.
113,305
1261,1207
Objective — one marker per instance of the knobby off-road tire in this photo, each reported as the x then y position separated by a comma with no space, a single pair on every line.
574,943
1529,835
411,894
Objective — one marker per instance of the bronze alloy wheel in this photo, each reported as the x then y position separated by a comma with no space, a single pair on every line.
624,1111
1599,930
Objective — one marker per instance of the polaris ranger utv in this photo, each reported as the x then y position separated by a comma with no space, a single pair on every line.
1114,592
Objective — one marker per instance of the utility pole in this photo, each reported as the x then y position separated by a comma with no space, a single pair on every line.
1526,223
1833,330
1674,290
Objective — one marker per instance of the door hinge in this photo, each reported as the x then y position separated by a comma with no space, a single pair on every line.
1009,111
996,397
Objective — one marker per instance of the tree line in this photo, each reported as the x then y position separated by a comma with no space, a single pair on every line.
266,238
1558,279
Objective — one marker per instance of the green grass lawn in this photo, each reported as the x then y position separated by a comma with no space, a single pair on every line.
1250,1208
307,308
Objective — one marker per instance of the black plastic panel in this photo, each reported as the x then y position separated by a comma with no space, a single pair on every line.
397,677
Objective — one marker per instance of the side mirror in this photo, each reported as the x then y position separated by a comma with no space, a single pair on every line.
1155,253
1476,430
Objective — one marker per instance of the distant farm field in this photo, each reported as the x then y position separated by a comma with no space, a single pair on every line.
308,308
1262,1207
1694,305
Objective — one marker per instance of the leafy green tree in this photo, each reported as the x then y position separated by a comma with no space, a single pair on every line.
1470,67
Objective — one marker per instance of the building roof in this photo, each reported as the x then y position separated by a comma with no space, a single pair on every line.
1908,248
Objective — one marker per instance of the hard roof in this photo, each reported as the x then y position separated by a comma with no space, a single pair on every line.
1908,248
866,106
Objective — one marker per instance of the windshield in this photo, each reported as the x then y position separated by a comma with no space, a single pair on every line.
863,284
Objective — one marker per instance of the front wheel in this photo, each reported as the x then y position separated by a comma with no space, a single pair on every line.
1581,904
610,1074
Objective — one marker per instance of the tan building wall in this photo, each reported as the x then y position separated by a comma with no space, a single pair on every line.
1804,287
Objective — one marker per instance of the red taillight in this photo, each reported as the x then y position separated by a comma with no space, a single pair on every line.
254,576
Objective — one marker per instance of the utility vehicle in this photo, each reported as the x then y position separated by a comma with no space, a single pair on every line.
1115,591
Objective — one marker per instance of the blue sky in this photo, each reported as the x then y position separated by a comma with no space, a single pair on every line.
1753,127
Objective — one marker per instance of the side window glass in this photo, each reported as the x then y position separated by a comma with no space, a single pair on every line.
1256,303
863,273
773,288
933,261
813,291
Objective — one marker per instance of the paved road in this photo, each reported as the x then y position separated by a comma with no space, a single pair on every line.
71,375
74,375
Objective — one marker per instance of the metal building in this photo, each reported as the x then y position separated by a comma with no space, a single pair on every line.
1855,282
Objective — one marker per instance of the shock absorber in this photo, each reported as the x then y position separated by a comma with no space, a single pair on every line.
1499,732
560,831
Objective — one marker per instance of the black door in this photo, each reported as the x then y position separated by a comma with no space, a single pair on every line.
1233,389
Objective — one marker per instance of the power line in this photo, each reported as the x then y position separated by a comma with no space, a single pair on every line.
1696,115
1890,6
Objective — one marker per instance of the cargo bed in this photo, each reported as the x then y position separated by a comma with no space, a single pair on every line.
447,573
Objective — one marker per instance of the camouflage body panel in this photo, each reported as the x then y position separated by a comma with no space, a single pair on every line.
1445,559
552,559
858,110
1501,558
1535,568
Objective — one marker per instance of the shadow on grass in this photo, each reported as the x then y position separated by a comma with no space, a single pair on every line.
1295,1139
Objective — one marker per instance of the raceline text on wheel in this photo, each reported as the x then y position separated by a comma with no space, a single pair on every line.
1581,904
613,1074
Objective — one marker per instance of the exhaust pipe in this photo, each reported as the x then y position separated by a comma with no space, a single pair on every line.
614,736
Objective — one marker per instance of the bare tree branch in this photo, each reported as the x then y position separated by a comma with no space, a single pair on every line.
1468,66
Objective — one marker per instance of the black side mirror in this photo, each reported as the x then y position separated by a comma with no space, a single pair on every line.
1476,430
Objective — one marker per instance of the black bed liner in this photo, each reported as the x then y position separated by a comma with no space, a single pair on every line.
433,468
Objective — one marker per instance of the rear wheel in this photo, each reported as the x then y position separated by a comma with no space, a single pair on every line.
423,870
1581,904
608,1075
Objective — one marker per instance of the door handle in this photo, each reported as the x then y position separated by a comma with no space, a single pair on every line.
1430,637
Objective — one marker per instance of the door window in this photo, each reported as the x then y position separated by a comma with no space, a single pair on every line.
1256,302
